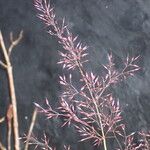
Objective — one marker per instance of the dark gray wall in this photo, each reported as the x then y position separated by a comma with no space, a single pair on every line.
120,26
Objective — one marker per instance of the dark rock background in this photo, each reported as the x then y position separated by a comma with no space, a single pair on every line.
120,26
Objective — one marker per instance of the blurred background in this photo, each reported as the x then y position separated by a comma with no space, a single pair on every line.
118,26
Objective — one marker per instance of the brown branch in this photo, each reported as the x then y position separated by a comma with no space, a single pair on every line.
8,67
14,42
9,125
3,64
31,128
2,147
2,119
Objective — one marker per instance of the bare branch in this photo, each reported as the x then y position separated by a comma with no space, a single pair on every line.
2,147
9,70
14,42
9,125
31,128
3,65
2,119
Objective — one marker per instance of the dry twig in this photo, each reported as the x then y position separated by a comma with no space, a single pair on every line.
7,65
2,119
2,147
31,128
9,122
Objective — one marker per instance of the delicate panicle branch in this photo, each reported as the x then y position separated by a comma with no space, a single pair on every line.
43,143
75,51
91,108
